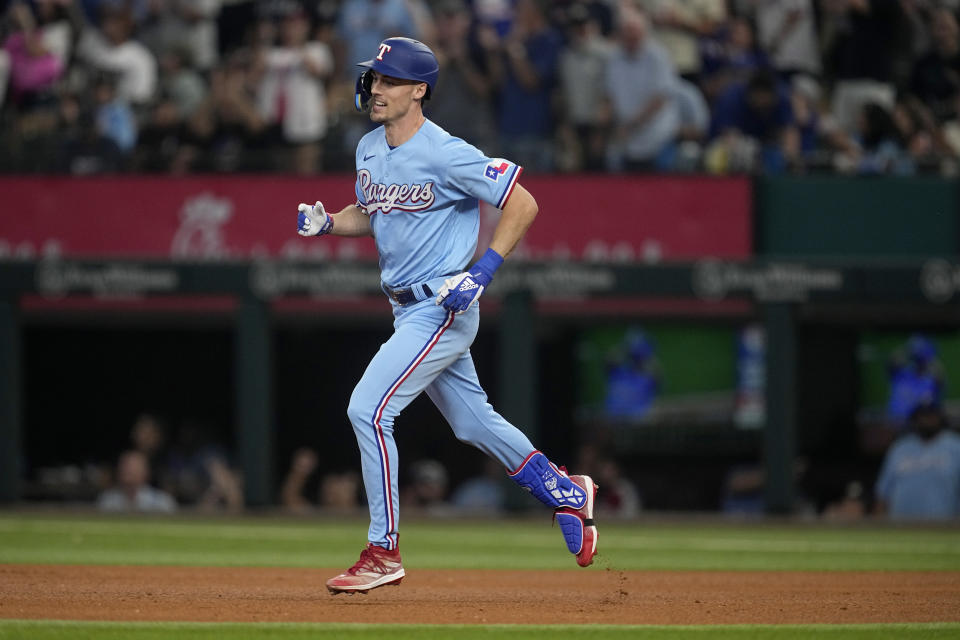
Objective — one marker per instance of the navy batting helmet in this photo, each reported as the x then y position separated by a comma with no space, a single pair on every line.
399,58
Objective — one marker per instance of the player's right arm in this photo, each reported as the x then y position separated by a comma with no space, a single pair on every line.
351,221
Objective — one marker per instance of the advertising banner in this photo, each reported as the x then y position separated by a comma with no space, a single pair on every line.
582,218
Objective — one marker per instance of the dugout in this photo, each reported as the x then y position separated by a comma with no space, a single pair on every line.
88,358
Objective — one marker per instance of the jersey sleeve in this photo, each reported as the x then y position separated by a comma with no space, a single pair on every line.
361,199
361,202
472,173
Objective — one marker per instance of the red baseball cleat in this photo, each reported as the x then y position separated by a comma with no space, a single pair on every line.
375,568
577,525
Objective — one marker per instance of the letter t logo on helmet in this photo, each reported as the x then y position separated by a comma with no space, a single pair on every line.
384,47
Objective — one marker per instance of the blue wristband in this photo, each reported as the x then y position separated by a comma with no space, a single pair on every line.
488,263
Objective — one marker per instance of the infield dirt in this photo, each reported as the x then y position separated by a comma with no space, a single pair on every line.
594,595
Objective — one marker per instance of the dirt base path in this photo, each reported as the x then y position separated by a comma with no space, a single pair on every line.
594,595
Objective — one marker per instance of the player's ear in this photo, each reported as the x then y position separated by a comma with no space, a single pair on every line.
420,91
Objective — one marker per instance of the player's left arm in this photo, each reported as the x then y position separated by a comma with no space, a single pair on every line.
462,290
517,216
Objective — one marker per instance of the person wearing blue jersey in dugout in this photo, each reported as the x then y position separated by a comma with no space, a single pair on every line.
417,194
920,476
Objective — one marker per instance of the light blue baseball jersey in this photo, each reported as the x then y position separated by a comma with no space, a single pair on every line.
921,478
423,200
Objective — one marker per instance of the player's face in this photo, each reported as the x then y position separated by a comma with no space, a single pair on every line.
392,98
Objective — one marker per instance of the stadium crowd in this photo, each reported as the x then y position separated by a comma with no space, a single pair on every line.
180,86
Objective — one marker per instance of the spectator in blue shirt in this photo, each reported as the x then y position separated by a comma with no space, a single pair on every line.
760,111
920,477
523,66
730,57
115,118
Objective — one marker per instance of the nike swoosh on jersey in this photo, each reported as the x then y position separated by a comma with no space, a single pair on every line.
365,158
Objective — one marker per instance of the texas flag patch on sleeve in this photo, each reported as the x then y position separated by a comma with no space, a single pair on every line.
497,168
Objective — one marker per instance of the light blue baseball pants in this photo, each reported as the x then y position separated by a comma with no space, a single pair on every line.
428,351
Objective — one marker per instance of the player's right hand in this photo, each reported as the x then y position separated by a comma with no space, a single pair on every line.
313,220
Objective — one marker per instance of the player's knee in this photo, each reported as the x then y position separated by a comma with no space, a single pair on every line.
359,413
468,433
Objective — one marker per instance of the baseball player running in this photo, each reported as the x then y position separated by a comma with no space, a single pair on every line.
417,194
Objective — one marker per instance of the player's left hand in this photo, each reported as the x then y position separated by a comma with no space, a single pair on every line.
313,221
462,290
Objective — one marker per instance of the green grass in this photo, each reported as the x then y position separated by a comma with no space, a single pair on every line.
514,544
44,630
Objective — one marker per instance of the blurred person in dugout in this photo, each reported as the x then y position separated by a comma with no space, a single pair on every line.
198,473
620,497
916,378
920,476
132,491
336,491
481,493
633,377
850,506
744,485
148,435
427,487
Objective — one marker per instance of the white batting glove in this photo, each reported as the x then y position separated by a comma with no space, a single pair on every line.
313,221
